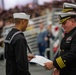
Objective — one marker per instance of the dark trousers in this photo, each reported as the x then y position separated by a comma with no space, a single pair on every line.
41,49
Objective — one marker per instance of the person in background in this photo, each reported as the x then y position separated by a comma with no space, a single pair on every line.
49,38
49,34
65,62
41,39
16,47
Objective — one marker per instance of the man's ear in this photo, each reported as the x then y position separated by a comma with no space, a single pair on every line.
23,20
72,20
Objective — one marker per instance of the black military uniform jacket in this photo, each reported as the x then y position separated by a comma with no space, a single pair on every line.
66,62
16,53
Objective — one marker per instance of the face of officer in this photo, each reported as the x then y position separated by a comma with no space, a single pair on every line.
68,25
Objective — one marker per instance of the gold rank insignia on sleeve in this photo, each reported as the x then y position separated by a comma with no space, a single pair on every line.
60,62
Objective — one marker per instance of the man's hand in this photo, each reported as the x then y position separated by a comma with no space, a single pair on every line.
49,65
30,56
56,72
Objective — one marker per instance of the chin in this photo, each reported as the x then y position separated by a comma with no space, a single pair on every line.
65,31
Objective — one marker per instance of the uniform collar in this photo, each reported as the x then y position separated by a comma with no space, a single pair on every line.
72,30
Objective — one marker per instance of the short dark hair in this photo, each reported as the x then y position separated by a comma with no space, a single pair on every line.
17,20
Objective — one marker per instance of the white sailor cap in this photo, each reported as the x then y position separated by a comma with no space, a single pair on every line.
21,16
65,16
69,7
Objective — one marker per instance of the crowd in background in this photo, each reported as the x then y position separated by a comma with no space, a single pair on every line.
34,10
